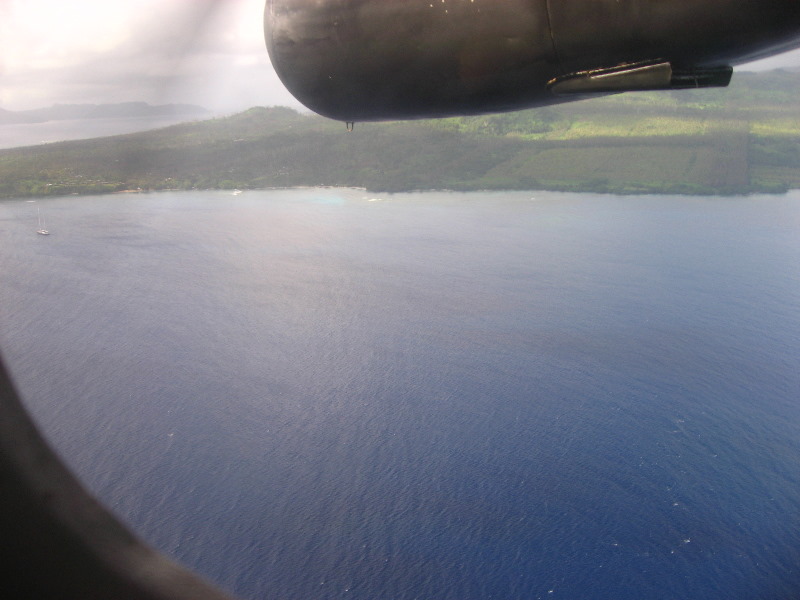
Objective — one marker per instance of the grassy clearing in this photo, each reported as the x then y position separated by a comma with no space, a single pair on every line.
786,127
621,126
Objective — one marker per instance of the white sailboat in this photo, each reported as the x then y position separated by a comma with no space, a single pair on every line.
42,225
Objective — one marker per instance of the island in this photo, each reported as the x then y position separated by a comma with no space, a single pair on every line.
740,140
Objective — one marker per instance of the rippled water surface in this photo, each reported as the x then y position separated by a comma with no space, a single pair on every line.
332,394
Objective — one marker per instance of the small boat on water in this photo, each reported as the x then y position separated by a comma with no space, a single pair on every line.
42,225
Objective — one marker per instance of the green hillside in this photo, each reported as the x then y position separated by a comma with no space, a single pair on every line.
725,141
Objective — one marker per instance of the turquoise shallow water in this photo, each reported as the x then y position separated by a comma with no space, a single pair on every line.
333,394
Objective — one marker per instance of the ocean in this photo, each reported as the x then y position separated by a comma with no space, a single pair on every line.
334,394
13,135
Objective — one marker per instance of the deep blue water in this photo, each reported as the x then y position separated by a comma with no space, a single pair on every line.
327,394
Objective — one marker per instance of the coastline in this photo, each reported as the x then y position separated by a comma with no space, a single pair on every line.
732,142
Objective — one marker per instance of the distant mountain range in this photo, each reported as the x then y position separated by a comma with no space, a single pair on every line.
61,112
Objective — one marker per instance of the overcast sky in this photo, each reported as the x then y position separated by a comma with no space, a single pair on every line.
206,52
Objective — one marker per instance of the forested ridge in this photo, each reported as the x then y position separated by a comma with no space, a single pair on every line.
738,140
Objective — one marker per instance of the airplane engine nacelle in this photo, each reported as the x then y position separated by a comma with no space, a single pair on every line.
361,60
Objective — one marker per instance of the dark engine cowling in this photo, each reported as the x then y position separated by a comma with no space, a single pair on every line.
361,60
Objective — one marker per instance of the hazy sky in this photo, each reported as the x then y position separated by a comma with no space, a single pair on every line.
206,52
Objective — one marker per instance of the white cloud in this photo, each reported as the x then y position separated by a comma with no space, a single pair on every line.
788,60
208,52
40,34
